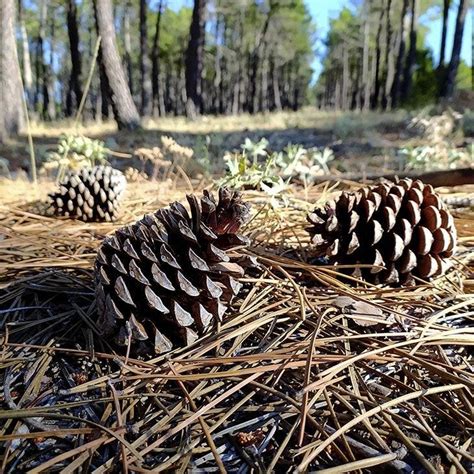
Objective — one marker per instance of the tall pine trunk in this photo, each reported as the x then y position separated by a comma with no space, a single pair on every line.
26,58
365,66
158,101
127,43
410,63
11,115
194,59
146,96
378,54
76,60
444,32
450,82
50,76
386,102
125,111
401,56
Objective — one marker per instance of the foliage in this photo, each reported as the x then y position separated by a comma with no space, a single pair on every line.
74,152
435,157
441,153
258,168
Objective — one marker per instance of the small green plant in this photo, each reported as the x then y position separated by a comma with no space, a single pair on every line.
439,156
257,168
74,152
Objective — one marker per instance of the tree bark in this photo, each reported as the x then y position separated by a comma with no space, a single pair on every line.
50,77
76,60
158,106
388,56
365,65
144,63
411,57
401,55
194,59
450,82
11,110
26,62
125,111
442,51
127,43
378,54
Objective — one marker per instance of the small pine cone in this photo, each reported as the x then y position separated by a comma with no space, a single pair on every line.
167,279
91,194
402,228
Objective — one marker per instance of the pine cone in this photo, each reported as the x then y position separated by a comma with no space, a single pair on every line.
402,228
167,278
92,194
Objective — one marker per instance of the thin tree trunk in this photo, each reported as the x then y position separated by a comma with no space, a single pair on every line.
217,67
158,106
26,62
146,97
76,60
127,43
11,110
194,59
257,57
365,65
378,53
401,55
40,90
50,77
442,51
456,52
125,111
411,57
388,52
345,77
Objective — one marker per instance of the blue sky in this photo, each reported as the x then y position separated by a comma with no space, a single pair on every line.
323,10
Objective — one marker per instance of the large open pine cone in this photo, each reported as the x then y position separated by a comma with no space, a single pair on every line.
91,194
167,278
402,228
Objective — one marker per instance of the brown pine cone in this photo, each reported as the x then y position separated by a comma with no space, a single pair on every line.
402,228
168,278
91,194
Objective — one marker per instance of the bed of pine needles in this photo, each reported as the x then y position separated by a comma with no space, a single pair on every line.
307,372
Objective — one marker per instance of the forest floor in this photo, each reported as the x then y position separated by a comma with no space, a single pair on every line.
307,370
362,141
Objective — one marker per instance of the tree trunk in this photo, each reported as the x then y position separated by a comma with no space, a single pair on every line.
388,56
401,55
257,57
125,111
378,53
442,51
41,90
11,110
127,44
144,62
365,65
76,60
50,77
217,67
158,108
345,77
194,59
411,57
26,62
455,55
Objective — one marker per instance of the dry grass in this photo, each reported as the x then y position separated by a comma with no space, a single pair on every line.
294,377
348,123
